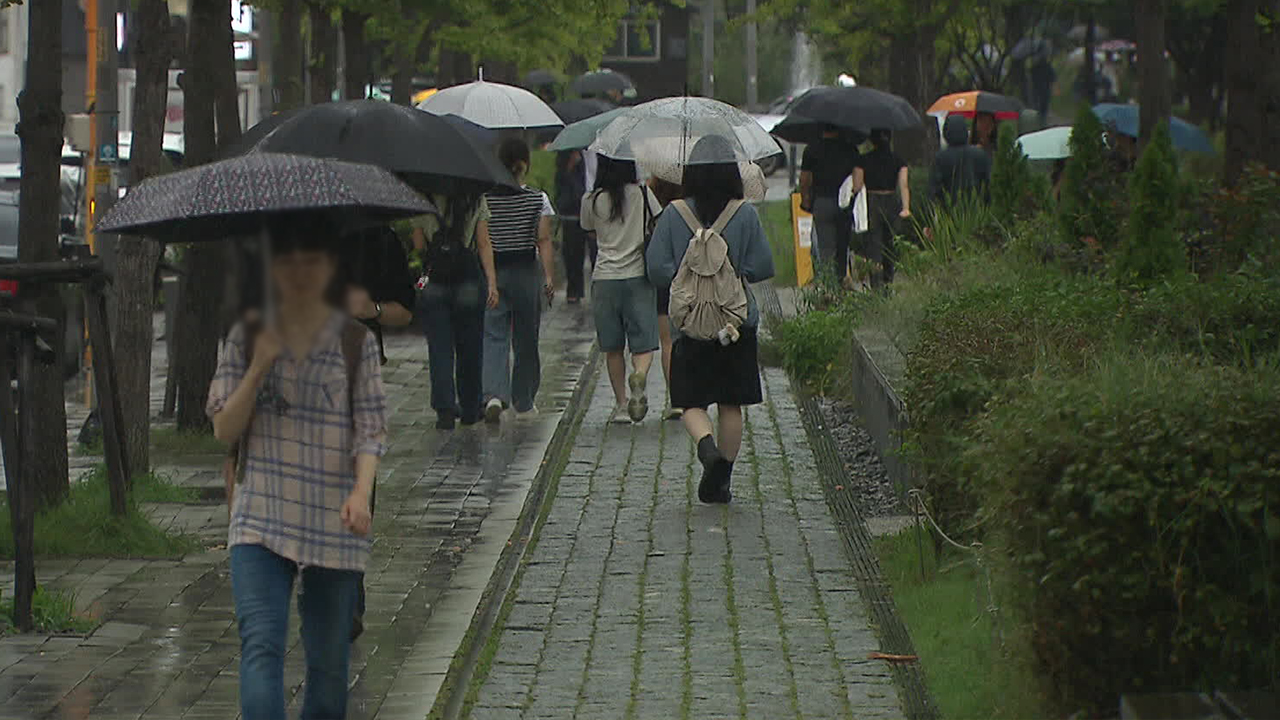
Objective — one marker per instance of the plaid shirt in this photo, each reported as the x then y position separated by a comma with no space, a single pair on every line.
301,448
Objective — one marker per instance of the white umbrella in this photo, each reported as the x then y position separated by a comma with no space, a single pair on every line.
493,105
667,131
1050,144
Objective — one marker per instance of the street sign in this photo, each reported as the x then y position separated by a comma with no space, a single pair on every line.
101,174
107,152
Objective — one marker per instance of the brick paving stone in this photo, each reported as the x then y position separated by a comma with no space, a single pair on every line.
638,602
169,647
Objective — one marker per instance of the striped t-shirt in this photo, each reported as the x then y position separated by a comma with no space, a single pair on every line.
513,221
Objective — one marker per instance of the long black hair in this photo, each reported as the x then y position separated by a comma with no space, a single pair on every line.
881,138
711,179
457,215
613,177
512,152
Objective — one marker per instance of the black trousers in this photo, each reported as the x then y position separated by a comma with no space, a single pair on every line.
883,223
575,249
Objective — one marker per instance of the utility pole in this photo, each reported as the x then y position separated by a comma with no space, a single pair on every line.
263,47
753,70
105,111
708,48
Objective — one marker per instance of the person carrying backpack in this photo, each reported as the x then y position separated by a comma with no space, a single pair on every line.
310,418
706,247
458,283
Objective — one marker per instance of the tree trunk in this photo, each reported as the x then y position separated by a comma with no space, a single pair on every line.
226,90
289,55
324,53
405,58
40,128
355,66
1253,87
1154,92
196,336
911,75
133,289
455,68
1090,71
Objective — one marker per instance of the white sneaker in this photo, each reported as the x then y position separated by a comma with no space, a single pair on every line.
620,416
493,411
531,412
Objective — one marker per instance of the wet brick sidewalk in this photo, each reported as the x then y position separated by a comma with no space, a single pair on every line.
639,602
447,503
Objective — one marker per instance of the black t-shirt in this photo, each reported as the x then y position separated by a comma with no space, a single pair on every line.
375,260
880,170
831,160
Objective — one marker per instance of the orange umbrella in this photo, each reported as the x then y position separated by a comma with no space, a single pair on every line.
423,95
973,102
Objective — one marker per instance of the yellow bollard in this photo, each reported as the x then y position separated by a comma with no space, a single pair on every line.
802,230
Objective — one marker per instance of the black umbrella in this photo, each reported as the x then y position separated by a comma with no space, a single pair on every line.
798,129
433,153
234,197
856,108
540,78
600,82
572,111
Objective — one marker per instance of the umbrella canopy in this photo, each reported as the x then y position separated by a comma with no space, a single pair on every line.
797,129
1124,120
581,134
422,95
667,130
431,152
540,78
973,102
599,82
1049,144
493,105
853,108
572,111
233,197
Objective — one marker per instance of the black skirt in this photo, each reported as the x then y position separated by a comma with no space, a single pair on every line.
704,372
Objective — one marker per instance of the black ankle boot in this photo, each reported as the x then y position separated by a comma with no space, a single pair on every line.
711,459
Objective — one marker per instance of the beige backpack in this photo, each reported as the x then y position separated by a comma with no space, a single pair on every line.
708,299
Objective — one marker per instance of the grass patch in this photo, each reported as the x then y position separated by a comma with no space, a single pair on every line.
776,216
967,671
53,612
171,441
83,526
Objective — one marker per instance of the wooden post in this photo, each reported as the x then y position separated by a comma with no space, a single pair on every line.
118,476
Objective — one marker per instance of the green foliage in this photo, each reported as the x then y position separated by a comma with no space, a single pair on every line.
1016,191
1151,249
815,347
1232,320
943,598
83,526
1235,226
53,612
171,441
1139,498
776,217
1089,209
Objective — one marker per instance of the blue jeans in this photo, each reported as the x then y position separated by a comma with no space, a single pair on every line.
453,321
262,585
512,368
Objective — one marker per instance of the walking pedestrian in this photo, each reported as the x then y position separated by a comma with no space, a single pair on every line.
825,165
984,132
720,371
665,192
886,179
458,283
619,212
520,232
959,169
571,185
312,427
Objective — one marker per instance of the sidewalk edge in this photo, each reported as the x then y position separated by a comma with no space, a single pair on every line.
456,690
894,635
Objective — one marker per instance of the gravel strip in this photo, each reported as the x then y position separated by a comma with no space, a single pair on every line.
875,492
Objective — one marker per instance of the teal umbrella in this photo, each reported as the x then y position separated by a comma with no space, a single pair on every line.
582,133
1049,144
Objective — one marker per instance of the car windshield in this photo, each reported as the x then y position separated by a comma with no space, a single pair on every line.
8,231
10,149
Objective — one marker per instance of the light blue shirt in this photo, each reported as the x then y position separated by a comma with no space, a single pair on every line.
748,250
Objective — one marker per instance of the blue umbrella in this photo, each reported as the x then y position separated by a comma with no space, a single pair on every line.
1124,119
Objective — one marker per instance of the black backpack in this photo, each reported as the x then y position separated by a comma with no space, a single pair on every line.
446,260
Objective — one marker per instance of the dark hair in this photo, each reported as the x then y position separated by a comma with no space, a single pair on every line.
711,186
881,138
457,214
311,232
512,151
973,132
613,177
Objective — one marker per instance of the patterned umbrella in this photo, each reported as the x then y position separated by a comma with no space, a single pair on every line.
973,102
493,105
233,197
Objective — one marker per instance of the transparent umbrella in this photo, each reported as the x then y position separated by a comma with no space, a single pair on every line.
680,131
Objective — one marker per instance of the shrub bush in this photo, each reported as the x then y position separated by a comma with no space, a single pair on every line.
1233,319
1151,249
1231,227
815,346
1016,191
1091,203
1137,510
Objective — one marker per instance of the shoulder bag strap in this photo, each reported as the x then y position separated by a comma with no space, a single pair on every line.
353,336
237,450
687,213
730,209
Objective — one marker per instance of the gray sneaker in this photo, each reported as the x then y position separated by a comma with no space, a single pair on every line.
638,403
620,415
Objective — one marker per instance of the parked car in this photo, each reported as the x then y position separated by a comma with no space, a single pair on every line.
71,324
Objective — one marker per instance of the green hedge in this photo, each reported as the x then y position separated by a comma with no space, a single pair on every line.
1138,506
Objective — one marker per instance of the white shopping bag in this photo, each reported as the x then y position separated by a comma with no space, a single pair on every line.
860,224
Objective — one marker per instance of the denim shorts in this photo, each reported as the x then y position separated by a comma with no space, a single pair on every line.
626,315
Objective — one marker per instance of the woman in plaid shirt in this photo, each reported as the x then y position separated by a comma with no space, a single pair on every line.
311,445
